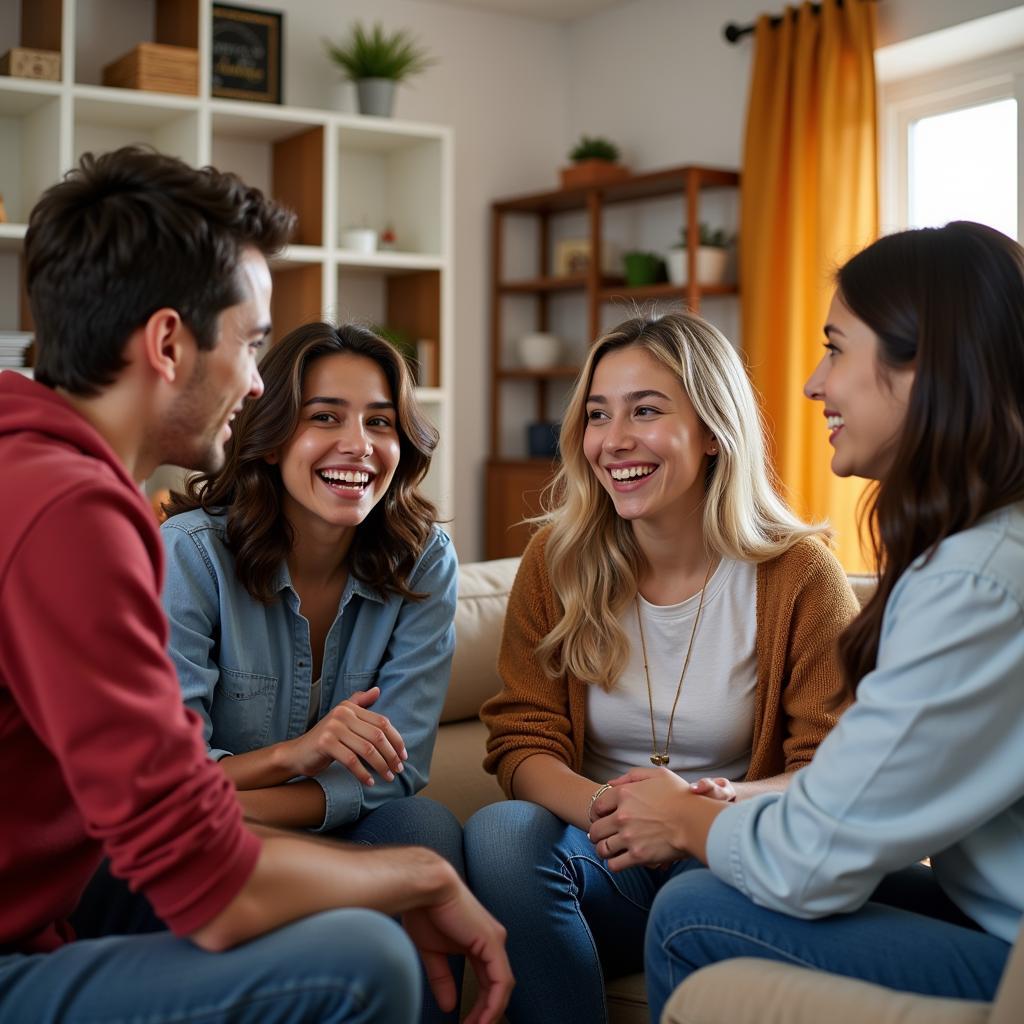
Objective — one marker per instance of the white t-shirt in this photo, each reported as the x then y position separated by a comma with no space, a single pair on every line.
714,721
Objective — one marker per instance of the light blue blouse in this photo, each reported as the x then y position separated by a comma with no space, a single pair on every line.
246,668
929,761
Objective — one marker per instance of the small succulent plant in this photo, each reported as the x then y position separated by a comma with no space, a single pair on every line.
594,148
712,238
375,53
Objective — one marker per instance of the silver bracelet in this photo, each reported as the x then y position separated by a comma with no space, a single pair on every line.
594,798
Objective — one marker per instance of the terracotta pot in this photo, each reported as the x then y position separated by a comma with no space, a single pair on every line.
587,173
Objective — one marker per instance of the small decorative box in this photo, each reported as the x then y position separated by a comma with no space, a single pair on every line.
24,63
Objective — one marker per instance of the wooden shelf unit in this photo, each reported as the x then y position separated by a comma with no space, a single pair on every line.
513,485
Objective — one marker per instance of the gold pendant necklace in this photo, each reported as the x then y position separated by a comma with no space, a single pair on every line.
661,760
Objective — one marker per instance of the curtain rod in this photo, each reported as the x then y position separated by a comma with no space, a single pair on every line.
733,32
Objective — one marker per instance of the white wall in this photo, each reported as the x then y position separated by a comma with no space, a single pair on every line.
899,20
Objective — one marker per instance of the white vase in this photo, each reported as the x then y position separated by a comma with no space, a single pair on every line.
539,350
675,260
711,264
376,96
363,240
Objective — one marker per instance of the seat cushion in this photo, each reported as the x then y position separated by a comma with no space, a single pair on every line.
479,614
457,777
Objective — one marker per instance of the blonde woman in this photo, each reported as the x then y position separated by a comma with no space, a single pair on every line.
673,613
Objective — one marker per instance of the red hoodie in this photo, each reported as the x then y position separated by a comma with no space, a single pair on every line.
97,752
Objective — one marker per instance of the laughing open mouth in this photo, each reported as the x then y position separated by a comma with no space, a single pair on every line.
346,479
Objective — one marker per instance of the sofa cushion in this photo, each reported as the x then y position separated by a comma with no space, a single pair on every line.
457,778
863,586
483,593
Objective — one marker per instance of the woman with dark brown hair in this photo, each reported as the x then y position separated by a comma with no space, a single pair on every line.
922,387
311,597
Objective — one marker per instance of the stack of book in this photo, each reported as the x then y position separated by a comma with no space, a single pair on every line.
12,347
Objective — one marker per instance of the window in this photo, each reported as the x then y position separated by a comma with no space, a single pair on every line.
949,144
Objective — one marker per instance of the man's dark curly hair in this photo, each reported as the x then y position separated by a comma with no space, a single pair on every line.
125,234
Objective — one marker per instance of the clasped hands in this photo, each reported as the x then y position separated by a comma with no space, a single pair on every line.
645,817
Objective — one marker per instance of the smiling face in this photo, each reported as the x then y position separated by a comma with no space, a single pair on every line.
197,426
341,458
864,404
643,439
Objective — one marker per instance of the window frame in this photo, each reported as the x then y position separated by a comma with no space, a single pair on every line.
902,102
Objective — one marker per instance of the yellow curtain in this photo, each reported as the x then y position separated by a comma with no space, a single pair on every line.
809,202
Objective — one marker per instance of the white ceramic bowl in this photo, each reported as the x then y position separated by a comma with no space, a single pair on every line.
359,240
539,350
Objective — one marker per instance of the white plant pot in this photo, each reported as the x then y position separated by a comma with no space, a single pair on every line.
376,96
711,265
539,350
362,240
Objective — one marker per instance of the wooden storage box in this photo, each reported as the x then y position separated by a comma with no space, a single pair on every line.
156,67
25,63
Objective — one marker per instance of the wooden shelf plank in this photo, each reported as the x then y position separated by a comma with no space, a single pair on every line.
665,290
545,284
638,186
570,282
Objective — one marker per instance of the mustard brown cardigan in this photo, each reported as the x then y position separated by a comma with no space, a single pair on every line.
804,602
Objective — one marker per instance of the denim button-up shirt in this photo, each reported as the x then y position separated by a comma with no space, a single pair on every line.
246,668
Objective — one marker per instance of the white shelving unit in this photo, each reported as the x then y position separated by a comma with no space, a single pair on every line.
336,170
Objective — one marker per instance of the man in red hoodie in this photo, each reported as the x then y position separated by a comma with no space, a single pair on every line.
150,291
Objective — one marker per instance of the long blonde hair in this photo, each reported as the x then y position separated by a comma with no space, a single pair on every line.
592,555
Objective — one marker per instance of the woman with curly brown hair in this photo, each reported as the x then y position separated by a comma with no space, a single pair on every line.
311,597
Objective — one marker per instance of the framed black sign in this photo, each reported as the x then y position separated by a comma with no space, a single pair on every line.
246,53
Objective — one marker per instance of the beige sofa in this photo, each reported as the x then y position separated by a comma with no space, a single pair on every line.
456,776
735,992
762,992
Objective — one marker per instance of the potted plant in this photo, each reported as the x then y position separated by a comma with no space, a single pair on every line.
376,60
595,161
712,256
643,268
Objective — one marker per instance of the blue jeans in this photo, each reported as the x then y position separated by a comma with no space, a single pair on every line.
416,821
355,966
409,821
908,937
344,965
568,917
